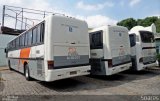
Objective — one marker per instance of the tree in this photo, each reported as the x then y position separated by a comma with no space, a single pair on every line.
139,22
129,23
147,21
157,23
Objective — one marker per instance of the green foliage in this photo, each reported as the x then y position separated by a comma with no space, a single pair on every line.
158,56
147,21
130,22
157,23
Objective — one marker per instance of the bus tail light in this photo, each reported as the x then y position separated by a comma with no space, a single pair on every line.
50,64
141,60
110,63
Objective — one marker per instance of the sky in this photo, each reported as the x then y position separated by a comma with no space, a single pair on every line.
94,12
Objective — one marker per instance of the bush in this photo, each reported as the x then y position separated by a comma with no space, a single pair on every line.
158,57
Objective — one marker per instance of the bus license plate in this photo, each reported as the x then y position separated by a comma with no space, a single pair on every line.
73,72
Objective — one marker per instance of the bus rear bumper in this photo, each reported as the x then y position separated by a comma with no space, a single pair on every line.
142,66
64,73
118,69
150,65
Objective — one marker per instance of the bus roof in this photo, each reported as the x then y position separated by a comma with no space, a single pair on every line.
105,28
136,29
48,17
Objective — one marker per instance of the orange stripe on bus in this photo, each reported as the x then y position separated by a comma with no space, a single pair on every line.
24,53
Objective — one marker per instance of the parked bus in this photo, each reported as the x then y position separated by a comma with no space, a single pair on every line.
143,49
110,50
54,49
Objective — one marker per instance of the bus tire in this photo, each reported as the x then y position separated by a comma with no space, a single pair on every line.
27,73
9,65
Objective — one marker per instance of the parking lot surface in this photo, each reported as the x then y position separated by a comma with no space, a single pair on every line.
146,82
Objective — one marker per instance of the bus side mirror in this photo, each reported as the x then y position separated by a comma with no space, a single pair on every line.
5,50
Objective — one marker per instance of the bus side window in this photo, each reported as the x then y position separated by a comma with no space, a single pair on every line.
29,38
34,39
23,40
17,42
38,34
10,46
42,32
14,44
20,41
26,39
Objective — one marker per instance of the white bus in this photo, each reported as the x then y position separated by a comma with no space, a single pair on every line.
54,49
143,49
110,50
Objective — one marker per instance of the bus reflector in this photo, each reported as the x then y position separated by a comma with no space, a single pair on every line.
50,64
110,63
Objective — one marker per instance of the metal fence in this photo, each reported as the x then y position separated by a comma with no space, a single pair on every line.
22,18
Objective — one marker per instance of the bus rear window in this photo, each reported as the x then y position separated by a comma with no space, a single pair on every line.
96,40
147,37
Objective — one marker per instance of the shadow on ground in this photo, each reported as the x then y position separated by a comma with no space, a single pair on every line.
99,82
128,76
64,84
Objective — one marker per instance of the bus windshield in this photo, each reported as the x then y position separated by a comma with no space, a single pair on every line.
147,37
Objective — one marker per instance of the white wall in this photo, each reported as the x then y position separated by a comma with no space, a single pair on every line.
4,39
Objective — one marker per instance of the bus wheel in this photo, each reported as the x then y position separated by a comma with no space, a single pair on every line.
9,65
26,73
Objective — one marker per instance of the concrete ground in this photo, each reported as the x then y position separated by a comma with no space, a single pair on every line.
146,82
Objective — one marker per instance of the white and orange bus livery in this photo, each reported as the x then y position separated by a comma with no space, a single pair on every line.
54,49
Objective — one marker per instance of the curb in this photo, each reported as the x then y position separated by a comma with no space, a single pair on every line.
4,69
1,79
155,68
